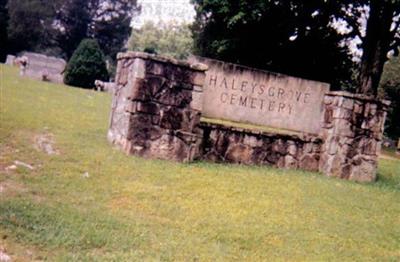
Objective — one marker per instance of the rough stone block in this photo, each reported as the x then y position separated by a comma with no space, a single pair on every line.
197,101
148,108
352,145
309,163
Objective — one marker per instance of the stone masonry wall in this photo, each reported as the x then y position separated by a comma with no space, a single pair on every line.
352,130
241,146
156,111
156,107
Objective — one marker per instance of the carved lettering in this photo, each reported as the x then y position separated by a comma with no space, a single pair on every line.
224,83
243,101
224,97
243,87
271,91
213,80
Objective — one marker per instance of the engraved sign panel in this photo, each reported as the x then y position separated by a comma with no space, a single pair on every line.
247,95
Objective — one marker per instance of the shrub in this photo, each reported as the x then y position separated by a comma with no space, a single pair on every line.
86,65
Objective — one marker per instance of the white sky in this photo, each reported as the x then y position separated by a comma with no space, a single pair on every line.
164,10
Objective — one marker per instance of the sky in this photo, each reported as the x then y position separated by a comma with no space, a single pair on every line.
164,10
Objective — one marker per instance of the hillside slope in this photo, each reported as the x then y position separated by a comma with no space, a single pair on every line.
84,200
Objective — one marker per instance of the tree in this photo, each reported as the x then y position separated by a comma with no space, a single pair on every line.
170,39
86,65
381,37
3,29
108,21
72,23
293,37
29,23
110,24
390,89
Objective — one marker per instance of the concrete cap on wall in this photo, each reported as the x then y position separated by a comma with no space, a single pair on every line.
163,59
360,97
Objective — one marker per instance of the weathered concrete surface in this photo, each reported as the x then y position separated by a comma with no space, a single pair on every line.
46,68
352,133
243,94
244,146
156,107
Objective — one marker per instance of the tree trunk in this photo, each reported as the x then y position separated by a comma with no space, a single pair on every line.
376,45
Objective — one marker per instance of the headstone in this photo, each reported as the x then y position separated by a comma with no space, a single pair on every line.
242,94
45,68
104,86
10,60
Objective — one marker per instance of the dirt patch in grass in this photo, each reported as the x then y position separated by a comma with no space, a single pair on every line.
11,189
45,143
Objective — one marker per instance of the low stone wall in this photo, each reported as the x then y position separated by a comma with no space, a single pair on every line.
156,110
157,107
352,130
243,146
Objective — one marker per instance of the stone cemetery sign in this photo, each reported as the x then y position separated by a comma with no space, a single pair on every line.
243,94
45,68
158,103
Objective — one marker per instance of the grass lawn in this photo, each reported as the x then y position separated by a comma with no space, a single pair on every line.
129,209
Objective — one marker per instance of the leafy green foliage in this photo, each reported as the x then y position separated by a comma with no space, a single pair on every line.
107,21
86,65
170,39
3,29
74,19
57,27
29,25
293,37
390,87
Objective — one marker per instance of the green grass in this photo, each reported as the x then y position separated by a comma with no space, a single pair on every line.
132,209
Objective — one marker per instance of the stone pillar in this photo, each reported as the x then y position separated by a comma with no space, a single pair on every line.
156,107
352,132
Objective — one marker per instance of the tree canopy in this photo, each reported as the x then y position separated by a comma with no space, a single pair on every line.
390,89
170,39
57,27
381,37
108,21
30,23
3,29
293,37
302,38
